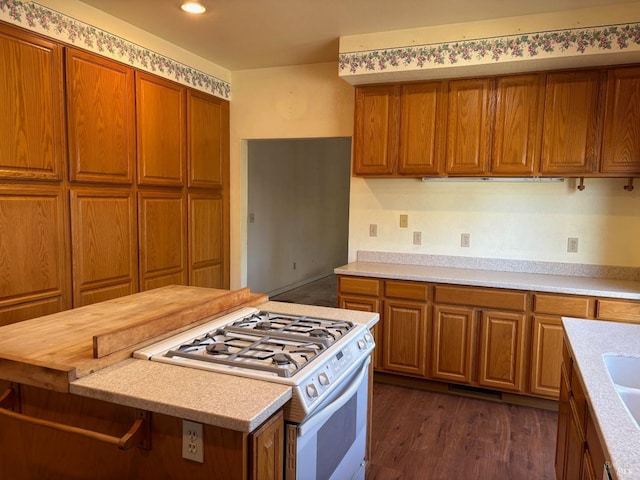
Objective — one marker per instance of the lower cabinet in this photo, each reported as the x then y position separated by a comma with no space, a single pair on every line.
405,337
579,452
453,343
35,451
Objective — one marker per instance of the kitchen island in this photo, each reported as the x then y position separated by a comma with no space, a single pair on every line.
619,435
78,381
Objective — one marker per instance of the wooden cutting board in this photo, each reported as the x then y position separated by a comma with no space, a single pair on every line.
53,350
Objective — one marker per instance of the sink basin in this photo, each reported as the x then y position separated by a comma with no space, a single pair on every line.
625,375
631,400
624,371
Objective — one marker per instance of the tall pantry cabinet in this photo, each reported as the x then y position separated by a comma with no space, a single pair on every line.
112,180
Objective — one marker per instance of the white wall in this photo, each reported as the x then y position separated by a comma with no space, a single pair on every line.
307,101
520,221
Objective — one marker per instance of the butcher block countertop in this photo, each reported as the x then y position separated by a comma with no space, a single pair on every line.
52,351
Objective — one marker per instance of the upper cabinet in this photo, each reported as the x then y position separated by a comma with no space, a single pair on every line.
572,123
208,140
161,130
101,119
375,142
32,142
518,124
621,141
469,126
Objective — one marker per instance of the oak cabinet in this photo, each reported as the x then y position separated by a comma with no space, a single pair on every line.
375,136
162,228
100,119
621,140
579,451
501,353
208,140
453,347
358,293
618,310
55,453
572,123
208,241
161,130
469,124
515,146
423,110
32,142
104,244
547,335
34,262
405,337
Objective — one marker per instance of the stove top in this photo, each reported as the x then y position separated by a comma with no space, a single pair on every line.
311,354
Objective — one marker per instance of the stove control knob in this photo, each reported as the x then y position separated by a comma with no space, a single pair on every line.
323,378
362,344
368,338
312,391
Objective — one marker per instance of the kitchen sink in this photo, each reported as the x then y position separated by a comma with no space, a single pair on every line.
625,375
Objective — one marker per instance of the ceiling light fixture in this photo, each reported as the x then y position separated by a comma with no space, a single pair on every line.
193,7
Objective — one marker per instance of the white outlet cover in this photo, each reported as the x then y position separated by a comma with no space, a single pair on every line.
192,441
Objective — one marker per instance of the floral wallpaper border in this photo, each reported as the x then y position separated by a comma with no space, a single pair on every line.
496,49
51,23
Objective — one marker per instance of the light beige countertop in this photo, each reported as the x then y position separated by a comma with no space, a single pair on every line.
589,340
577,285
227,401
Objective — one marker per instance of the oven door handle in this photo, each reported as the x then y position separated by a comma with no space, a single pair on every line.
323,413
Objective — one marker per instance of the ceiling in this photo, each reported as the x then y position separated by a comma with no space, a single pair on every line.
249,34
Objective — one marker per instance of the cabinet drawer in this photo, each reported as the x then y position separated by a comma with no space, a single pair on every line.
570,306
359,286
618,310
408,290
481,297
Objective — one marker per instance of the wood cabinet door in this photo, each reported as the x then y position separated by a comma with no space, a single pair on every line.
31,101
516,135
208,140
161,131
104,246
453,343
572,123
422,128
405,337
469,126
501,352
375,135
366,304
546,356
34,256
208,229
267,450
621,142
162,229
100,119
564,412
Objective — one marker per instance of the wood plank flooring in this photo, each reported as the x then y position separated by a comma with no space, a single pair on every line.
423,435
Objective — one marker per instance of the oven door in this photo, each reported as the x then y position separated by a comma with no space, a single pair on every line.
331,443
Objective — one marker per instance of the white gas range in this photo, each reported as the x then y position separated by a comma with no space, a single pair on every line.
326,363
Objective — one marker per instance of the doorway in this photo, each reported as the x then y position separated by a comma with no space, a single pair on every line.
298,211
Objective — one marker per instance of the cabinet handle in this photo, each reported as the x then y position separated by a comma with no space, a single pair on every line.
138,434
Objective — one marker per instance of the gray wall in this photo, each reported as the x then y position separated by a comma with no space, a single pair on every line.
298,204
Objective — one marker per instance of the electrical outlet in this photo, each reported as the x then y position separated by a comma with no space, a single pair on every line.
404,221
192,442
373,230
294,265
417,238
465,239
572,245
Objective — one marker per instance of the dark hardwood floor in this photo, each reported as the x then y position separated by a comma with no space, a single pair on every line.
422,435
418,434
